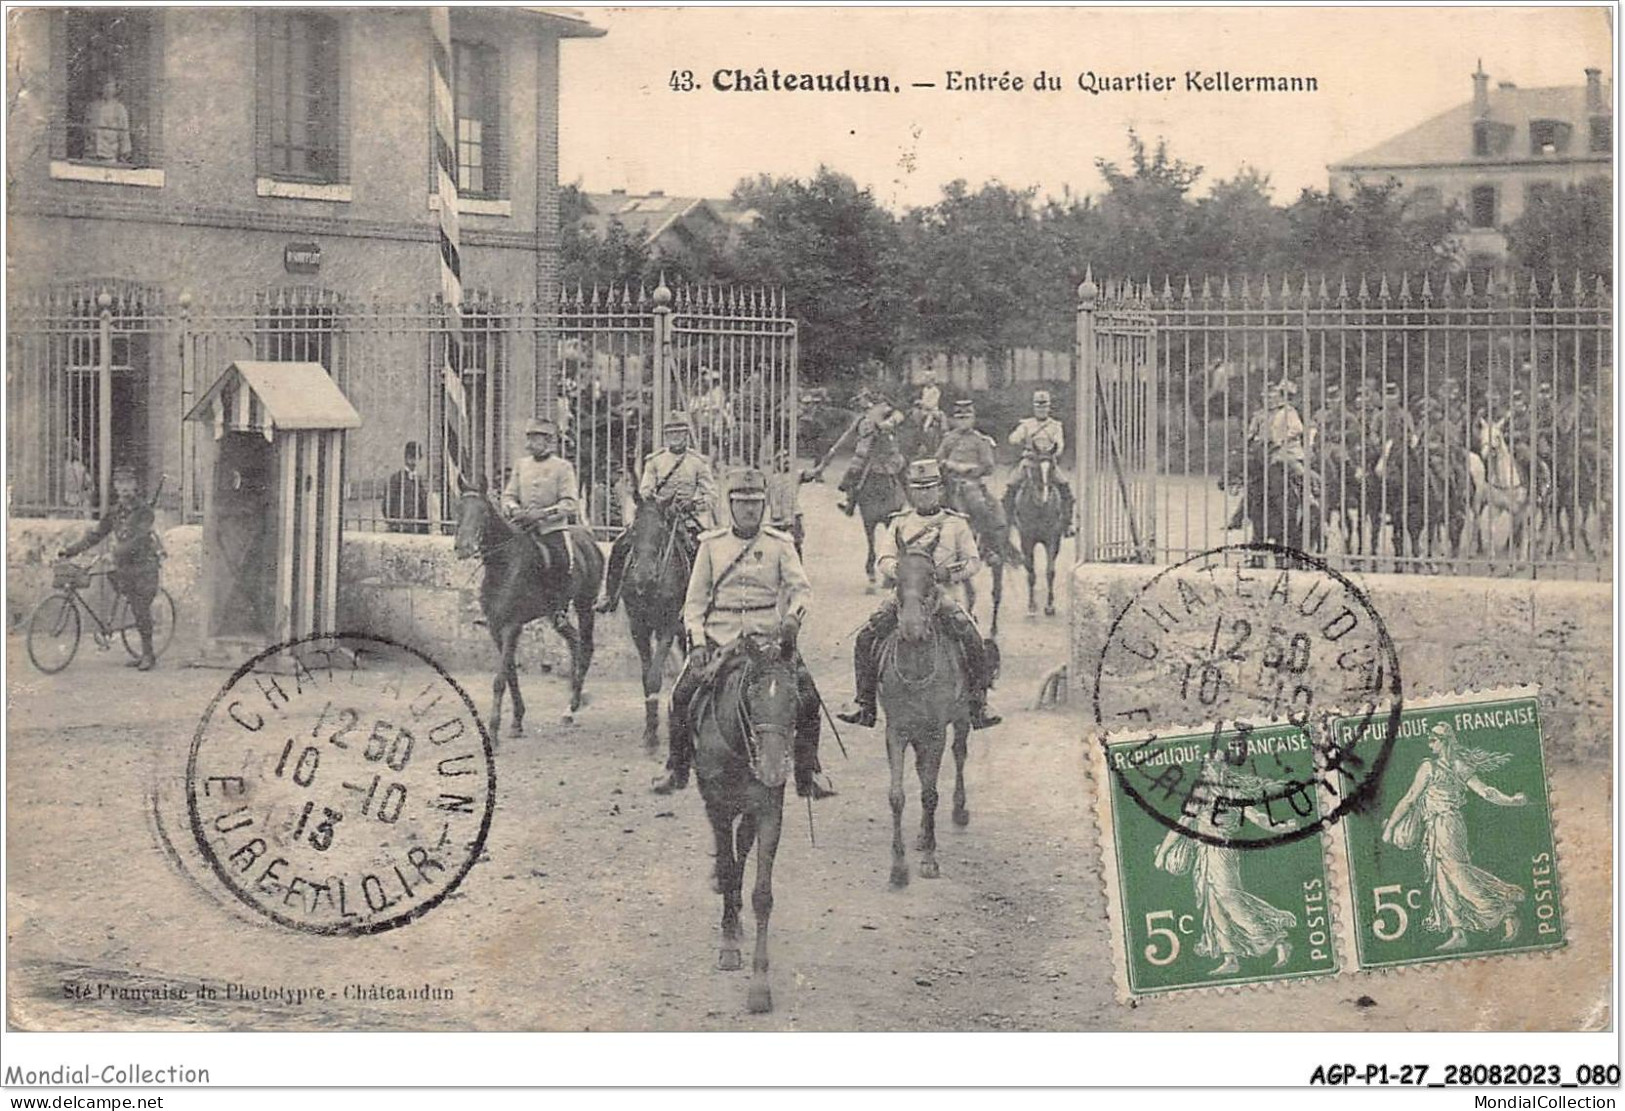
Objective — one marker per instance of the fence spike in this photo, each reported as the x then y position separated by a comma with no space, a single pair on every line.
1342,287
1602,290
1167,289
1382,288
1534,289
1304,293
1323,292
1427,286
1467,290
1224,287
1185,293
1364,293
1405,288
1557,289
1207,288
1447,292
1246,289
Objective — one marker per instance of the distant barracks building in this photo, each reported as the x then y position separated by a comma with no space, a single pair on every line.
278,160
1496,154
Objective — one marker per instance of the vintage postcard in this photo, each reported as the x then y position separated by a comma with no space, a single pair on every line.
873,519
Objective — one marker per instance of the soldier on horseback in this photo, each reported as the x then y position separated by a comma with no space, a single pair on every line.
946,537
747,581
876,448
967,459
681,483
930,403
1041,438
540,495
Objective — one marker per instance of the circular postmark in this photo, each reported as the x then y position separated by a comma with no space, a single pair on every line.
1257,663
340,784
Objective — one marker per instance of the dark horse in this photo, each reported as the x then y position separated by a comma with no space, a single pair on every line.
743,727
917,439
922,690
653,590
1039,515
519,587
1274,499
992,544
879,494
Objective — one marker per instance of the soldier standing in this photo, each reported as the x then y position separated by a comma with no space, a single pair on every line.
747,581
135,555
945,535
681,483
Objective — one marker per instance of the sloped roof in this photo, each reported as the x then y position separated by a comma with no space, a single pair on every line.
1448,137
264,396
648,216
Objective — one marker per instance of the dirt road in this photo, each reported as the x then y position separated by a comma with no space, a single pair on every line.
592,908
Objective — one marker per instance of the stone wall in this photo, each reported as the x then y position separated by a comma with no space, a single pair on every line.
412,589
1451,634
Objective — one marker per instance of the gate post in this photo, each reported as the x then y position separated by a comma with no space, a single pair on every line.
662,356
1085,404
188,428
104,399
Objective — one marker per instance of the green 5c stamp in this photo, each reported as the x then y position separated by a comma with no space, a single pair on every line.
1455,856
1222,897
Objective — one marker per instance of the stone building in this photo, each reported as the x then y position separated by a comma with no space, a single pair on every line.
1495,154
251,182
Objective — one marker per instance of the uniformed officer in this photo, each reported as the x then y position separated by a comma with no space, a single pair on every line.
747,581
930,402
135,555
1041,436
681,483
967,460
945,535
541,493
881,416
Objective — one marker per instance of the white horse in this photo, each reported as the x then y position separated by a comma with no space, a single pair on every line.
1501,495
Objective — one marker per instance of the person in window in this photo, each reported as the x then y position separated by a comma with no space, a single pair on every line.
107,126
406,497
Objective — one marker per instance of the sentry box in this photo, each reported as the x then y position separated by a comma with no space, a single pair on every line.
273,509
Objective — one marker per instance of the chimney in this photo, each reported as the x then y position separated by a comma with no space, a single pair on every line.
1593,90
1505,86
657,192
1481,92
617,192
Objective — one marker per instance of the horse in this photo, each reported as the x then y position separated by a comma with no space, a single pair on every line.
992,544
1274,499
1500,490
653,590
879,494
1037,513
919,439
922,692
519,587
1427,496
744,725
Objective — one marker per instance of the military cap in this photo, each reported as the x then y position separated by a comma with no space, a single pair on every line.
964,407
749,485
541,424
1040,397
675,419
925,473
125,470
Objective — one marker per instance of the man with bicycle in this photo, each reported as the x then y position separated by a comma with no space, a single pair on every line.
135,554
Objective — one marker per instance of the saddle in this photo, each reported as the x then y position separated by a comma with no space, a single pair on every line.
720,701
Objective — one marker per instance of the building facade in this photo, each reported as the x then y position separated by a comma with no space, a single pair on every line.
1496,154
233,182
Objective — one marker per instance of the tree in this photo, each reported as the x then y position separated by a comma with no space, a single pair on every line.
588,259
838,256
1566,233
1375,230
1144,220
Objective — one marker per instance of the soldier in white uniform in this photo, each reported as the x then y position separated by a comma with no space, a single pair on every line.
747,581
945,535
540,496
930,402
1041,436
678,480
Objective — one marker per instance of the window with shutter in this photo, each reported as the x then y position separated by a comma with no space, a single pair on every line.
1483,206
301,132
106,86
477,87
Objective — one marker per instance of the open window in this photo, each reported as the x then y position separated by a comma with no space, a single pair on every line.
1548,137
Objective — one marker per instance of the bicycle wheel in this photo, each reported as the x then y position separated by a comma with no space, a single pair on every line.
53,633
163,624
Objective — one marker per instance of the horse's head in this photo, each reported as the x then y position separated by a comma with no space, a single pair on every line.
651,538
916,594
771,687
477,514
1037,466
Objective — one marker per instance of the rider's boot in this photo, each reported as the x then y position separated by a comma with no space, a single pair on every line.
811,782
681,734
970,643
865,677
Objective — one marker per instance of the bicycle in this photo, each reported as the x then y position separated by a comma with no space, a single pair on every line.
54,627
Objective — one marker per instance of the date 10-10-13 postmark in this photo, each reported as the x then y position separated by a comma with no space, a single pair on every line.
1210,901
1455,856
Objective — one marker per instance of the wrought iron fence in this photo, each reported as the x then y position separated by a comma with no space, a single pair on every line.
1436,425
103,372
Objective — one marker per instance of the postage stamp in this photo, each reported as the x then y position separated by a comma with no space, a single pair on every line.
1456,856
1238,637
1209,902
340,784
